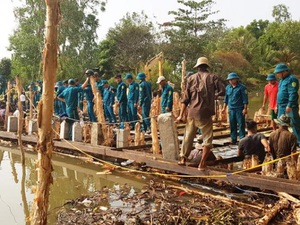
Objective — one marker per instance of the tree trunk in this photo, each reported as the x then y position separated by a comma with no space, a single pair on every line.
7,110
98,108
45,112
21,118
183,73
30,103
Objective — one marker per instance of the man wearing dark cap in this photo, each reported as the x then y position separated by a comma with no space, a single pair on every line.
121,100
270,92
254,143
199,95
287,98
133,98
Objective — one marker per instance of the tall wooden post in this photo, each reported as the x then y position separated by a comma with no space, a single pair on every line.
98,108
30,103
8,94
183,73
45,112
21,117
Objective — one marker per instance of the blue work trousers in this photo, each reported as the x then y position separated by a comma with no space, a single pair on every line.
91,114
145,115
132,114
236,119
123,114
109,114
62,108
295,120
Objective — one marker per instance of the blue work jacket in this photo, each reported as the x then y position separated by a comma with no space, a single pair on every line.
133,93
121,92
288,91
167,98
145,93
236,97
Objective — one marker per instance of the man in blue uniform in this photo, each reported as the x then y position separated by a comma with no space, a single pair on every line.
70,97
236,98
39,90
89,96
166,102
287,97
108,102
133,98
145,98
99,82
121,100
61,104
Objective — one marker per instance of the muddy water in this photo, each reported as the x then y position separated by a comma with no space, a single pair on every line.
72,178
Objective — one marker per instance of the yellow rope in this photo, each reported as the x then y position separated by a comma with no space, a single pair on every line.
175,175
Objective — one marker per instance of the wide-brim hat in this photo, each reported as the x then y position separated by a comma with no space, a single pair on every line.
201,61
284,120
128,76
141,76
271,77
232,76
281,67
160,79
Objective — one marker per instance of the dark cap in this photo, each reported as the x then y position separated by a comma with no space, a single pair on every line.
118,76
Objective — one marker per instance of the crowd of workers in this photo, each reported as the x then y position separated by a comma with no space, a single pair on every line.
128,98
201,90
203,87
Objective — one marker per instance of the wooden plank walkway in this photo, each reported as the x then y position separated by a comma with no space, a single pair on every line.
154,161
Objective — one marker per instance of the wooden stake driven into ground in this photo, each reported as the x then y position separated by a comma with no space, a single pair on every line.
98,108
21,117
7,104
45,112
183,73
154,134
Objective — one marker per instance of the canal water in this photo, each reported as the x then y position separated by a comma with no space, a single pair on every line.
72,178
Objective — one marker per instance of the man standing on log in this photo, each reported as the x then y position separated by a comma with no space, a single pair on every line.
287,98
121,100
166,96
133,98
200,93
270,92
145,97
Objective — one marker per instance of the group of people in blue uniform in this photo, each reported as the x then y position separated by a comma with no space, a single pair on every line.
129,96
236,99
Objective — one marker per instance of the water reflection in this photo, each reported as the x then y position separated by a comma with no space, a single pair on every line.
72,179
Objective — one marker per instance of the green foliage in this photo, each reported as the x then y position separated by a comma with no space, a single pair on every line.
77,38
258,28
5,68
128,45
190,31
280,13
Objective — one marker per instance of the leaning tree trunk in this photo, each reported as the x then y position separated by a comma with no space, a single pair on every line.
21,118
7,110
45,112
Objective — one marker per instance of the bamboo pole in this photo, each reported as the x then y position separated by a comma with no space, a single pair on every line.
269,215
183,73
30,103
154,134
7,110
137,134
21,118
45,111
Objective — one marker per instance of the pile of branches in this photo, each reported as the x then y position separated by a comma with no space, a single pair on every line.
157,203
